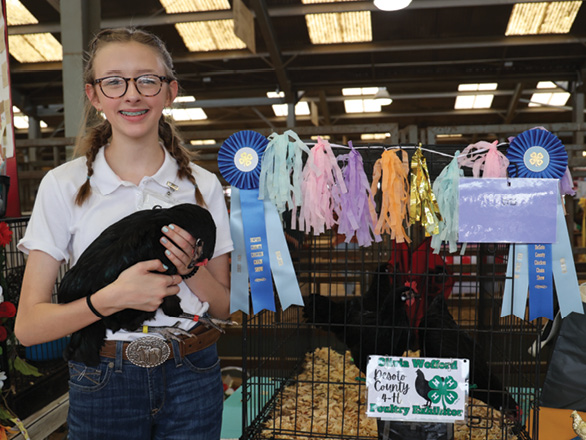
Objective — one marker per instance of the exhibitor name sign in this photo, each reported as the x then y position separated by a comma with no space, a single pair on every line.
417,389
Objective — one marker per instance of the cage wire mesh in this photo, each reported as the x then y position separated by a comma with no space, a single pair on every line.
305,366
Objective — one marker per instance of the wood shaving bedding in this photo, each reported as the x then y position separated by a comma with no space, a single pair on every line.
329,396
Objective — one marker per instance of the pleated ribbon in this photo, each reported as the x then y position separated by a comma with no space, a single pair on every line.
395,193
486,157
446,189
281,172
355,216
320,175
260,250
423,206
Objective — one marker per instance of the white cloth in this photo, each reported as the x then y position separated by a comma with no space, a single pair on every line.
64,230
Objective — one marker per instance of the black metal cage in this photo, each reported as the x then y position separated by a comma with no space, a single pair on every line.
305,365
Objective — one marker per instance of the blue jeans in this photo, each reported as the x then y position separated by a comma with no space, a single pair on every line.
182,399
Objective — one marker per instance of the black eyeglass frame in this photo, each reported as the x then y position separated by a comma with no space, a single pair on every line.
126,80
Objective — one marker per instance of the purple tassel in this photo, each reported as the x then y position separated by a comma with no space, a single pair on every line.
354,214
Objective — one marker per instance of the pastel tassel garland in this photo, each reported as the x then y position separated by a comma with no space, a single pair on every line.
484,156
281,172
446,189
320,175
355,216
395,194
423,206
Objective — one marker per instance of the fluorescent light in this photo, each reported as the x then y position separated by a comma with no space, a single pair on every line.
391,5
324,137
20,121
186,114
382,96
372,104
448,136
374,136
551,95
542,18
339,27
475,101
203,142
301,109
275,94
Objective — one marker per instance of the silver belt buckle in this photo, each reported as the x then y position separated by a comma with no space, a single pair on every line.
148,352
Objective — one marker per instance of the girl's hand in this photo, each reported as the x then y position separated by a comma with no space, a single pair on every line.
143,288
181,248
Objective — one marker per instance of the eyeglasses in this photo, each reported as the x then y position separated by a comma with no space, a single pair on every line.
116,86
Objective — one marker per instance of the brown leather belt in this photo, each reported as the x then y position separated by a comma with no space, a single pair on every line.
202,338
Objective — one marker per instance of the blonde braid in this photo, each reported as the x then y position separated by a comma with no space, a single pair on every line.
91,144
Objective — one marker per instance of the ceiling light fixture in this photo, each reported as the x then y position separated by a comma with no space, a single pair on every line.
382,97
391,5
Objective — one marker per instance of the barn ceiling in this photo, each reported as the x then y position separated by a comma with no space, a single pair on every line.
420,55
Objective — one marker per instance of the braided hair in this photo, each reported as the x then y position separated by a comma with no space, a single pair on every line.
99,131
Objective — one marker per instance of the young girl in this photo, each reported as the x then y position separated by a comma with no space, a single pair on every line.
133,160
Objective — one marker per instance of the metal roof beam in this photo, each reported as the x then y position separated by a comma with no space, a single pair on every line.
267,30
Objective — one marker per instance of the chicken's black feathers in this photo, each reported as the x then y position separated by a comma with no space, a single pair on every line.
133,239
441,337
422,387
373,324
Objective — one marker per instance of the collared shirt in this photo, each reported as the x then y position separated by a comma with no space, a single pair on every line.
64,230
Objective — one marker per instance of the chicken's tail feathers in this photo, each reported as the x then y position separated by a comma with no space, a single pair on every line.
85,344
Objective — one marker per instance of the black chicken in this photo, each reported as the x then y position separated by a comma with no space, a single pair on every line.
374,324
133,239
422,387
441,337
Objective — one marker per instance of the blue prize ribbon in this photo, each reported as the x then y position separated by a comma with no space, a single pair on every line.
239,265
537,153
516,283
540,281
564,270
257,251
281,264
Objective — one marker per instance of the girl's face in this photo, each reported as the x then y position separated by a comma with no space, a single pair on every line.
132,116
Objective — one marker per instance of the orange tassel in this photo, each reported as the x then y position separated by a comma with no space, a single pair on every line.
395,194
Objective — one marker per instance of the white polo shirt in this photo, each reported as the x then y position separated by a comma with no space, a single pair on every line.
64,230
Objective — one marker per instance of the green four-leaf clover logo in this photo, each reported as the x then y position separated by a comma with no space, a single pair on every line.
441,390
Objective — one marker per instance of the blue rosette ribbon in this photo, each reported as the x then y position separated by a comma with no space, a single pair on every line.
537,153
260,248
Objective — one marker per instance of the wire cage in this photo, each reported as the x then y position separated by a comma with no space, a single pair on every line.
29,393
305,366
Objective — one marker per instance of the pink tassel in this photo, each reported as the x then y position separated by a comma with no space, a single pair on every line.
484,156
354,216
321,175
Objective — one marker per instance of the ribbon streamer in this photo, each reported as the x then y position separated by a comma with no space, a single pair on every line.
320,175
563,269
395,193
446,188
355,216
484,156
540,281
423,205
281,172
260,248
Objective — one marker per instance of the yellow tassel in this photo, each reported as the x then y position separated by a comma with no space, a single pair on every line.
423,205
395,194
